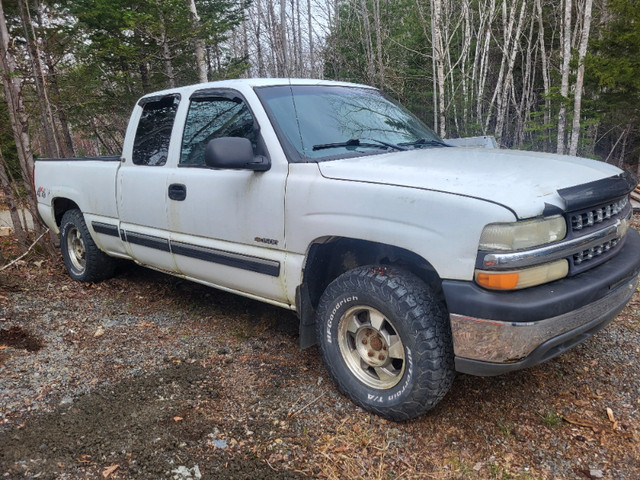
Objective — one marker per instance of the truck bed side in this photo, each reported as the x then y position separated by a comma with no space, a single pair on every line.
88,183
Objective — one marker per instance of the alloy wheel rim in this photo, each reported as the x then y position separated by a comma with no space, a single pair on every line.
371,347
76,249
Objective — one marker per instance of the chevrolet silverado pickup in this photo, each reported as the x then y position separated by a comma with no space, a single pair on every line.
406,258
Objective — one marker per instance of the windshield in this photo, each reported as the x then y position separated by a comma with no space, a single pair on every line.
329,122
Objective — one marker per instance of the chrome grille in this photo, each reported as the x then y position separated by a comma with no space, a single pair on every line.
594,216
594,252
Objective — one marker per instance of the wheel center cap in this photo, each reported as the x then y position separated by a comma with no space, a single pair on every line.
371,347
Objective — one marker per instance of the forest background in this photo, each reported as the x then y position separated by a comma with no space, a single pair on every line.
554,76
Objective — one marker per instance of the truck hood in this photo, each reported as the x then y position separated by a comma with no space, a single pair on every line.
521,181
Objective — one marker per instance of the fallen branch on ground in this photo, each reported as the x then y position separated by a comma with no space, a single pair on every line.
25,253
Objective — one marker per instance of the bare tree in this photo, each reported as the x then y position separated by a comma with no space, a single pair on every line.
481,64
165,52
310,33
437,45
577,103
52,148
283,38
564,86
368,42
198,44
378,28
546,82
258,25
17,115
511,51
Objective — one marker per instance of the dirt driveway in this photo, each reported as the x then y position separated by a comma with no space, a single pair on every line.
148,376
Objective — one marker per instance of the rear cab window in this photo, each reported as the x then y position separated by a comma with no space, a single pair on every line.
151,143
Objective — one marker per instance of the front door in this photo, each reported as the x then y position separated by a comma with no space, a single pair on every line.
227,225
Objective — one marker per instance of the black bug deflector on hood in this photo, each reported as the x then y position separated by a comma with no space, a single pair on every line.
597,192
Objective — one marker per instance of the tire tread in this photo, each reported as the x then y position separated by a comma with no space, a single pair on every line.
99,266
426,317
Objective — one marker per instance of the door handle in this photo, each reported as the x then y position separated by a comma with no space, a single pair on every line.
177,191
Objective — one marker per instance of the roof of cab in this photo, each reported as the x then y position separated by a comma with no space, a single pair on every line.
251,83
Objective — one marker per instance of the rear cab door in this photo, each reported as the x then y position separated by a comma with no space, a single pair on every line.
142,184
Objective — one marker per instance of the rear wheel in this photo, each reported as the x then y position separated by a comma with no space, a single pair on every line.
83,259
386,341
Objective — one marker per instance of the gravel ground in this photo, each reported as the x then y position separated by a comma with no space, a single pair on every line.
148,376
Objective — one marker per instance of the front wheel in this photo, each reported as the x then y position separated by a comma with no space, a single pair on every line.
83,259
386,341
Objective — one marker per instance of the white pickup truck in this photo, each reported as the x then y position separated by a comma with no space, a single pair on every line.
406,258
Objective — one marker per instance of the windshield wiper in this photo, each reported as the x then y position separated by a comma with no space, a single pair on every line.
424,142
355,142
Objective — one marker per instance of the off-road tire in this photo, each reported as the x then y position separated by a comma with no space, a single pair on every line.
409,387
84,261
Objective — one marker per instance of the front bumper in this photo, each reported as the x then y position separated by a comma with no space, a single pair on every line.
498,332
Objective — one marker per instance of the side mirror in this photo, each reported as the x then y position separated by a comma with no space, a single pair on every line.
234,153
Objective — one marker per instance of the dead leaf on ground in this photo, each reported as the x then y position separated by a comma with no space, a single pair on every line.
580,422
610,415
109,470
177,419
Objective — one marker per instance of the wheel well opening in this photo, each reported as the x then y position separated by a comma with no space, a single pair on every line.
330,259
61,206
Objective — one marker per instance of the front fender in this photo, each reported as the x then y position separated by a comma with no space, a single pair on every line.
442,228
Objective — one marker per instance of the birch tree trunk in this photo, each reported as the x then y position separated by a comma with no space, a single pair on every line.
299,55
368,42
523,108
310,28
499,92
293,45
13,95
378,27
144,74
166,55
261,70
17,115
623,151
52,148
545,69
198,44
577,103
274,33
503,100
437,46
481,62
434,83
283,37
245,46
66,143
564,86
464,65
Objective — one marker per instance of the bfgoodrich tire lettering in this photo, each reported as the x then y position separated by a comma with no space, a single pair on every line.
386,341
83,259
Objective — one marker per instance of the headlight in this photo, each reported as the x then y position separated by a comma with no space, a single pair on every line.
524,278
519,235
